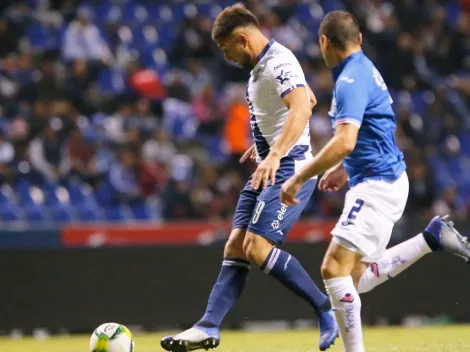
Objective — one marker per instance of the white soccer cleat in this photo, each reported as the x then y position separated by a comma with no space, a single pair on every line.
191,340
192,335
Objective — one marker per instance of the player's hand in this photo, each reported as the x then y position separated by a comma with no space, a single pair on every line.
266,172
333,179
289,190
250,153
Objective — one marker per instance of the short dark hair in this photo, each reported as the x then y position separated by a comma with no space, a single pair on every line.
231,18
340,27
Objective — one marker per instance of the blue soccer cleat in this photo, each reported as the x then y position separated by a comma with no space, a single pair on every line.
196,338
328,330
447,238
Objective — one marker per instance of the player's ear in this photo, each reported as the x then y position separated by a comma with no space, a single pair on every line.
323,41
360,38
243,40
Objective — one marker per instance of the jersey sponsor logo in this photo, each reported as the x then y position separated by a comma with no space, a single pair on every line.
280,216
350,324
346,79
282,65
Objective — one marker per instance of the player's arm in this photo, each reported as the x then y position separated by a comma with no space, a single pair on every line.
299,102
300,109
289,81
312,97
351,102
297,96
340,146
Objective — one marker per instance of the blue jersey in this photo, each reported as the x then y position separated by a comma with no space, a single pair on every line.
361,97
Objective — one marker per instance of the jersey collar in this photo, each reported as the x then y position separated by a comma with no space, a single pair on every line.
266,49
339,68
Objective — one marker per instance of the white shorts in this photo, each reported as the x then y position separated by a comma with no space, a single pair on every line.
371,209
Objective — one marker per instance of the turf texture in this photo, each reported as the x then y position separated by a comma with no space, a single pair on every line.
429,339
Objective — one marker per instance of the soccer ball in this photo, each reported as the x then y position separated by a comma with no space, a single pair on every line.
111,337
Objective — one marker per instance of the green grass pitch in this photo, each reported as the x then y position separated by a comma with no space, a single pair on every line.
428,339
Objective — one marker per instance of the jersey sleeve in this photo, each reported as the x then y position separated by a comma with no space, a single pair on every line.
351,101
285,70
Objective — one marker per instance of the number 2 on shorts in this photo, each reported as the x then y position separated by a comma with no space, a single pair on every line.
355,209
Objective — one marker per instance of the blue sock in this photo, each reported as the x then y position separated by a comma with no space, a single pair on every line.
288,270
228,287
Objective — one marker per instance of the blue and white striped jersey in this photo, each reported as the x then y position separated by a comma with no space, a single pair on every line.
277,73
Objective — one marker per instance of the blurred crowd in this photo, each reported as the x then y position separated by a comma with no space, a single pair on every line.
127,108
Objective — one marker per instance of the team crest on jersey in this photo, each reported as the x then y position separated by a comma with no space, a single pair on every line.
283,76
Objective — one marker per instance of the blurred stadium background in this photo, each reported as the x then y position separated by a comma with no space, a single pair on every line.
121,126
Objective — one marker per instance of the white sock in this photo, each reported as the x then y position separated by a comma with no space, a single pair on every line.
394,261
346,304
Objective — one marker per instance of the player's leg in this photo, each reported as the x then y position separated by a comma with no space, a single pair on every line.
339,261
285,268
227,288
439,235
225,293
268,228
230,282
363,230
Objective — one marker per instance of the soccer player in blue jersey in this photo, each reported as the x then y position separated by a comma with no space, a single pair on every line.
280,104
363,150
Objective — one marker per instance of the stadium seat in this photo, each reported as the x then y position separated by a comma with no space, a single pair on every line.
36,213
118,213
89,214
11,212
142,211
9,208
32,201
464,139
106,11
7,195
133,14
85,204
44,37
62,213
440,170
331,5
111,82
80,193
28,195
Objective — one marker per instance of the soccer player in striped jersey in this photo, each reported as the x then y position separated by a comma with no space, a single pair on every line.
280,104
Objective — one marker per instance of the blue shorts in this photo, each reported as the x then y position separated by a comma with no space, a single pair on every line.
261,211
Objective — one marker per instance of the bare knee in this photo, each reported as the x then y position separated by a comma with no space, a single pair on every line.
330,268
256,248
234,246
339,262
